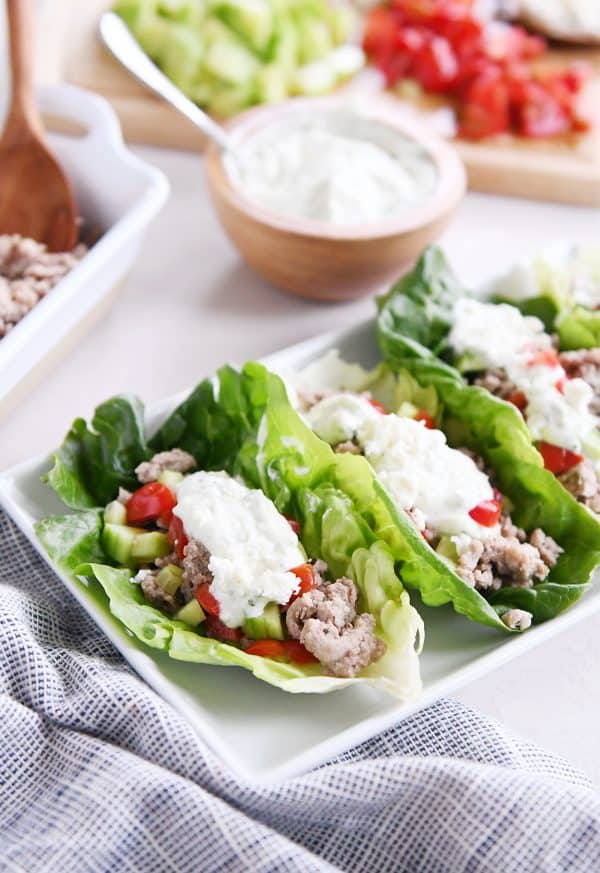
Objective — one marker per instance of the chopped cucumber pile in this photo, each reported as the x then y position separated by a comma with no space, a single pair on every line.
227,55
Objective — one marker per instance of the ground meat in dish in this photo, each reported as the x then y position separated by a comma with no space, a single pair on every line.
175,459
583,483
326,623
195,568
153,593
496,381
510,558
28,271
585,364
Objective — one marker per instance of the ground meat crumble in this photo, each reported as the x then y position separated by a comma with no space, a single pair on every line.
28,271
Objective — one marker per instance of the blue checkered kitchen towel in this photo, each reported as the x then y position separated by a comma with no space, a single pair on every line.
97,773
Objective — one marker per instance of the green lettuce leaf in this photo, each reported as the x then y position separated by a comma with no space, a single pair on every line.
93,462
473,418
578,328
243,423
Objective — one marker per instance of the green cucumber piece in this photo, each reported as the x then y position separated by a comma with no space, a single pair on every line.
115,513
230,62
267,626
148,546
192,614
117,541
170,578
170,478
313,79
252,21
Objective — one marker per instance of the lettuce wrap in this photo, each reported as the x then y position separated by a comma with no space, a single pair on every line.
561,287
242,423
414,320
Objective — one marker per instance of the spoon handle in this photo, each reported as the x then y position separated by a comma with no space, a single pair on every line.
120,41
22,116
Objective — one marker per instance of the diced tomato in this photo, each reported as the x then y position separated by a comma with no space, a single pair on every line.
423,415
537,113
378,406
176,536
487,513
207,600
486,109
215,628
307,580
519,400
380,28
561,384
149,502
291,650
557,459
293,524
435,65
547,357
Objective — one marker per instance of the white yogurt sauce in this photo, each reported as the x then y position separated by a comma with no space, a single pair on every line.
337,167
415,464
500,336
252,546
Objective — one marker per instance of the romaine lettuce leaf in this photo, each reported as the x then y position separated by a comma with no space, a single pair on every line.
243,423
93,462
473,418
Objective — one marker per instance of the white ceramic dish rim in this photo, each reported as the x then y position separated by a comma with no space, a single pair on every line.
451,174
103,129
323,751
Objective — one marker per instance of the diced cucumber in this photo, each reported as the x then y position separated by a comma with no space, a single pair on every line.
148,546
313,79
252,20
267,626
314,39
346,61
271,84
230,62
407,410
170,478
284,49
228,100
170,578
115,513
446,549
117,541
181,55
342,21
192,614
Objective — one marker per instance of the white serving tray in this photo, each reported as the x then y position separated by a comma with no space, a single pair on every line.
117,195
262,733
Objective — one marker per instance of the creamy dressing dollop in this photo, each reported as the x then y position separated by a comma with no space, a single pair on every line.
501,336
337,167
414,463
251,544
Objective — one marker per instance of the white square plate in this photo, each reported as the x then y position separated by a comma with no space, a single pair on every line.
262,733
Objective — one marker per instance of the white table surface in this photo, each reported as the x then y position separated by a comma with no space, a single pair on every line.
190,304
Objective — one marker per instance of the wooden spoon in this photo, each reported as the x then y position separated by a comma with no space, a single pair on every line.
36,199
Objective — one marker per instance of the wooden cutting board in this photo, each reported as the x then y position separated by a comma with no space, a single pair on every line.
566,171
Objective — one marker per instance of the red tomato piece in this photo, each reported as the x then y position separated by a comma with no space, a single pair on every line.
538,113
176,536
423,415
207,600
547,357
519,400
557,459
486,110
291,650
487,513
293,524
307,580
381,25
561,384
215,628
378,406
435,65
149,502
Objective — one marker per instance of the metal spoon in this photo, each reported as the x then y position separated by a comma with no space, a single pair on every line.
122,44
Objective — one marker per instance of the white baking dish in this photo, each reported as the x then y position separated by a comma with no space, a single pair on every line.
118,195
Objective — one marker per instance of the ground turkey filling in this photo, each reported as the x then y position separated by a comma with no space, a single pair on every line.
582,481
325,620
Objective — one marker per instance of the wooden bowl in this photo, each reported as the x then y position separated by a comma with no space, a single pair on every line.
319,260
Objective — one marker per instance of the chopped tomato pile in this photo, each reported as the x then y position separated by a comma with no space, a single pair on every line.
486,67
151,502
